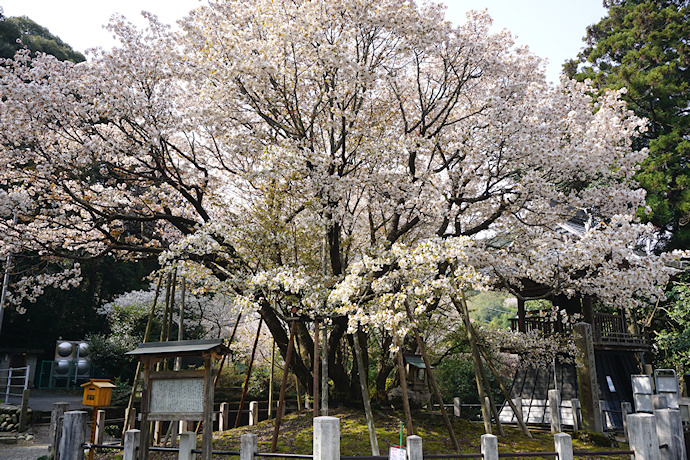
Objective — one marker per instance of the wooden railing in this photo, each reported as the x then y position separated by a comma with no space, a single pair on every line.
609,331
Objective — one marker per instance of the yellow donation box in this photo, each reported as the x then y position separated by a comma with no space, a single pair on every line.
97,392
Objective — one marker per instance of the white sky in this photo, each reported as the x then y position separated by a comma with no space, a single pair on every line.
553,29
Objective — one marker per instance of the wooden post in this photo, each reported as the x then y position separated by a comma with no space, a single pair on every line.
626,408
403,384
365,393
144,425
223,417
207,436
555,411
521,315
58,412
324,372
73,430
249,374
283,385
432,380
315,391
588,387
270,379
100,425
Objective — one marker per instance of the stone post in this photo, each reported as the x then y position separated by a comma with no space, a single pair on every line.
253,413
643,436
131,444
59,409
414,448
577,414
24,411
100,427
326,438
456,406
489,445
564,446
73,435
249,446
224,417
555,411
187,444
669,428
626,408
588,388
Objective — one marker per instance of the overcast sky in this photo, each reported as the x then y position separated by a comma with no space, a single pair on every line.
553,29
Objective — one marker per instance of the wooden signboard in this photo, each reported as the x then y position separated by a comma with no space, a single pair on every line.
177,396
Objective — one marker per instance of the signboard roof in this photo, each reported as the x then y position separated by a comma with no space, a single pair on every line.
179,348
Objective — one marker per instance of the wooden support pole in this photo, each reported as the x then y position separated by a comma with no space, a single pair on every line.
324,372
365,394
403,384
315,392
249,374
432,380
283,385
270,379
207,435
128,412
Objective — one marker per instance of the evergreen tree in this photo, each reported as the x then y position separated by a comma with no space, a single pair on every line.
643,45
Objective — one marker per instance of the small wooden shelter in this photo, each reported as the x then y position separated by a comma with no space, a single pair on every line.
178,395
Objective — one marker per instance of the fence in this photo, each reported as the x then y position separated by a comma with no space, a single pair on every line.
646,433
14,375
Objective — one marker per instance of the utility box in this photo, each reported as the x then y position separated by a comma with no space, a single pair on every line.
97,392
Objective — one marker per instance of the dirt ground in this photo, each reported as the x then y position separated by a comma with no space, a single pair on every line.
28,449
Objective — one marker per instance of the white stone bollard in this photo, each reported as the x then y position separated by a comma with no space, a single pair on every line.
489,446
73,435
564,446
456,407
555,410
224,417
669,428
643,436
326,438
131,444
414,448
253,413
577,414
249,446
187,444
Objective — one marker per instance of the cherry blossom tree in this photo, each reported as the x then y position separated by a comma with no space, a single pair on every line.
341,159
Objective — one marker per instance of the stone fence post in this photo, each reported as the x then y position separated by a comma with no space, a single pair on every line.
489,446
669,428
224,416
131,444
555,410
253,413
187,444
326,438
249,446
643,436
577,414
73,435
564,446
456,406
414,448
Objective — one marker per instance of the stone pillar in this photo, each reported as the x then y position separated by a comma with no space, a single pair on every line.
73,435
59,409
130,444
224,417
414,448
577,414
626,409
588,388
187,444
24,411
555,411
456,406
249,446
253,413
669,428
564,446
326,438
100,427
643,436
489,445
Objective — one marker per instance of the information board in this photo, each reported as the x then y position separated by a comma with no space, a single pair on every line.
180,398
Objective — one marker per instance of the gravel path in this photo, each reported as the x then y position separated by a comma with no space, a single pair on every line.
31,449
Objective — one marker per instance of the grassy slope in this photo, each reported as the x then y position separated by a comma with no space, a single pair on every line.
296,435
